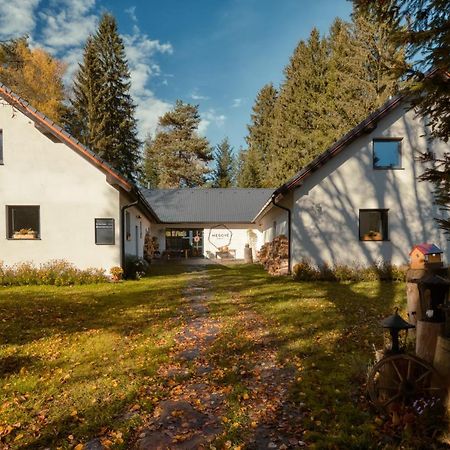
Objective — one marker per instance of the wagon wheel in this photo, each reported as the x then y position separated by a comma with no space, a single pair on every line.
403,379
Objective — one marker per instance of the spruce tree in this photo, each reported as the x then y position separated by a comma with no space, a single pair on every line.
102,113
178,156
223,173
260,130
301,103
249,168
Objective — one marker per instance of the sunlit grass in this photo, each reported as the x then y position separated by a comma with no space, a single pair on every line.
75,361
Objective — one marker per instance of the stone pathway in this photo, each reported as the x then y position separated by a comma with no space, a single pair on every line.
190,417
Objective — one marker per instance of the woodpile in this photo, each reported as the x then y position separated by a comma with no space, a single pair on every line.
151,247
274,256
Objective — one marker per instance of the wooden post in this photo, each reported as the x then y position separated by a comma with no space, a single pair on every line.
426,337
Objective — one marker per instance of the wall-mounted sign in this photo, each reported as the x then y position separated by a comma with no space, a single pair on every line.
220,236
104,231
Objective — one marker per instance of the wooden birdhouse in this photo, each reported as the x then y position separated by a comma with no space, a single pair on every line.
424,256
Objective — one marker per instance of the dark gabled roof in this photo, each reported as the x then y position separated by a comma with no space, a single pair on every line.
202,205
366,126
47,124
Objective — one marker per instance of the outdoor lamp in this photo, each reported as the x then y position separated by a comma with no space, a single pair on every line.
396,325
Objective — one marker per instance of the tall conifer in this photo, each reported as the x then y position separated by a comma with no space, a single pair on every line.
223,173
178,156
102,113
260,131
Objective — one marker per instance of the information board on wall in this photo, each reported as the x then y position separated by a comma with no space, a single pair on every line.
104,232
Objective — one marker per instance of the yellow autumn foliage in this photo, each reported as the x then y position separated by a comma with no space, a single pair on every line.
37,77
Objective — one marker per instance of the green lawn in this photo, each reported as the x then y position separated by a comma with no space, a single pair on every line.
74,361
325,331
80,362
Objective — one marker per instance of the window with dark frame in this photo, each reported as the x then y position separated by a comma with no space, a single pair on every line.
373,225
23,222
140,229
105,231
387,154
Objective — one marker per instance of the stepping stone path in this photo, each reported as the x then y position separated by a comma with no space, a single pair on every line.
190,418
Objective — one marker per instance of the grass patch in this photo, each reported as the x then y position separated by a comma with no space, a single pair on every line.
76,362
326,331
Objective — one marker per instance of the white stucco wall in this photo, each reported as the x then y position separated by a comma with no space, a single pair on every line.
274,222
239,236
70,191
325,216
134,243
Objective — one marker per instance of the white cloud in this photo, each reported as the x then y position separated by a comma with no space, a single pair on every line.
236,102
210,117
67,23
196,96
17,17
140,51
62,28
131,11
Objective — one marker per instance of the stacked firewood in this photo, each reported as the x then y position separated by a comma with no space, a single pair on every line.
151,247
274,256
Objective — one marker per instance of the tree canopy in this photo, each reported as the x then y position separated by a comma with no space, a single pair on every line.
178,156
34,75
102,113
223,174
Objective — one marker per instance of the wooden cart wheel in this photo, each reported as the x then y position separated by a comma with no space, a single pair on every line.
403,379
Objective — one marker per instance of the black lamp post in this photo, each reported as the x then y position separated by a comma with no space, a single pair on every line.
395,324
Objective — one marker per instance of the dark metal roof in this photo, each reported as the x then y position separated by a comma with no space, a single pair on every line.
202,205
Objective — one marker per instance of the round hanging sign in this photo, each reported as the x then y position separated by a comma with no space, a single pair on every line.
196,238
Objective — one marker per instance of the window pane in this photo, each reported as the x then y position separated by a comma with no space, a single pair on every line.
104,232
373,225
386,154
23,222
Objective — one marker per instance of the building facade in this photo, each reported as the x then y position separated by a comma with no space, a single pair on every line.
361,202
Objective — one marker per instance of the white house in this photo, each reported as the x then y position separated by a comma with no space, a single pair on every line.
203,222
60,201
360,201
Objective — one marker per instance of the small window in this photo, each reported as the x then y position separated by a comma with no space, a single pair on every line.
373,224
1,146
104,232
387,154
23,222
140,229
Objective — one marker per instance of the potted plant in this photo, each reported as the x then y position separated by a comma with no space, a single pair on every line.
25,233
116,273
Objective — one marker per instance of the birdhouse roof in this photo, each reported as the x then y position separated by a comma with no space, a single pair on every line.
427,249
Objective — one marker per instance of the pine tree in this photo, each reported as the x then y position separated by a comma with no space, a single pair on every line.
178,156
102,113
34,75
300,104
150,177
249,165
223,174
83,116
260,130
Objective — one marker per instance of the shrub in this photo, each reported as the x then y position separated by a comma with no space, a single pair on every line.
116,273
306,271
135,267
56,272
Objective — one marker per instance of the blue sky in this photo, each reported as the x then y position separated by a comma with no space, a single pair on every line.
214,53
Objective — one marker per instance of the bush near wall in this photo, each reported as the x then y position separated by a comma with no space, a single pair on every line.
57,272
306,271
